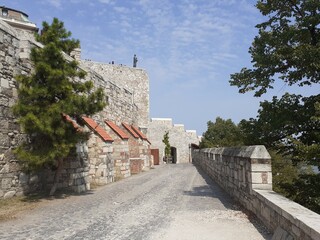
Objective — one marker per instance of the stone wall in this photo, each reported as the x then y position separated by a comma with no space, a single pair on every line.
130,84
101,163
245,173
179,138
75,172
127,92
120,107
13,181
15,48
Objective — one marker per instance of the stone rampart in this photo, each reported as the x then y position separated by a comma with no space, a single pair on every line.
245,173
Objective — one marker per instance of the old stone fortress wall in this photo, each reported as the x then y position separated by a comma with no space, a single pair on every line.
120,143
123,138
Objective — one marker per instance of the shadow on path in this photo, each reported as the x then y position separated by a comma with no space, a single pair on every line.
212,190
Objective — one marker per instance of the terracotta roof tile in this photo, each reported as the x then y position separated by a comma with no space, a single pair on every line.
130,130
142,136
99,130
74,124
117,130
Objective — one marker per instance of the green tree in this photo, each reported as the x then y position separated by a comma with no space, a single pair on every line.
221,133
288,125
167,148
53,89
286,48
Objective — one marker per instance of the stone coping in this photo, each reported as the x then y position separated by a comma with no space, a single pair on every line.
298,215
253,152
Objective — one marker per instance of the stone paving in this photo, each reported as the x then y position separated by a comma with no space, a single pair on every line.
169,202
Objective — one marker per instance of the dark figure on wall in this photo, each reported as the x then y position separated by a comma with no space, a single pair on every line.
135,60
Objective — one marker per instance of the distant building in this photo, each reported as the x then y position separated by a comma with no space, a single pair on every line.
17,19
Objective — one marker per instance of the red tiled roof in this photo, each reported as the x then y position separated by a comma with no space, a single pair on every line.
117,130
142,136
99,130
130,130
70,120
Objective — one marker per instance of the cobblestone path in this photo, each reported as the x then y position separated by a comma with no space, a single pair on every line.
169,202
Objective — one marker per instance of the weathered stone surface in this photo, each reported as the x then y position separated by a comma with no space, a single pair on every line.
9,194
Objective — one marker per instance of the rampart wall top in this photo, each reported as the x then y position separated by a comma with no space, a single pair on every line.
253,152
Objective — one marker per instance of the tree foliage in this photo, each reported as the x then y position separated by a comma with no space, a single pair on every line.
51,90
287,46
288,125
167,148
221,133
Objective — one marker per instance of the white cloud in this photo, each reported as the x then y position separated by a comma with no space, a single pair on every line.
105,1
56,3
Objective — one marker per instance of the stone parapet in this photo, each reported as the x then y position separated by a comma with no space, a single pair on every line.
277,211
245,173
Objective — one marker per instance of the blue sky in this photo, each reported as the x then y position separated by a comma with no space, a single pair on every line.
188,47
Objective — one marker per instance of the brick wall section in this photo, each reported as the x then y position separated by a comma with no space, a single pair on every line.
101,170
120,154
134,150
245,173
136,165
122,169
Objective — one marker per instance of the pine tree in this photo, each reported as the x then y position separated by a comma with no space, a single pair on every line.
52,90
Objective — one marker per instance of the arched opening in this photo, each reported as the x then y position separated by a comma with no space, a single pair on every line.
174,154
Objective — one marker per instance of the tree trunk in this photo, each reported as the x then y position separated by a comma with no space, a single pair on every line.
56,177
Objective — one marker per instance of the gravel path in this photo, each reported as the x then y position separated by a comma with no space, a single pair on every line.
169,202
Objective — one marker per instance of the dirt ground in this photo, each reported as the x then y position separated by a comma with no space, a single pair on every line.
11,208
17,207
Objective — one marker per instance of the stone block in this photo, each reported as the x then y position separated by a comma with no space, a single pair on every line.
296,231
259,177
5,168
6,183
1,193
9,194
315,234
261,167
4,140
281,234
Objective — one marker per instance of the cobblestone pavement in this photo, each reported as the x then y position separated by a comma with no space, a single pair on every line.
169,202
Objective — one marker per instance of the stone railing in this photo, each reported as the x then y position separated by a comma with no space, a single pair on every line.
245,173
